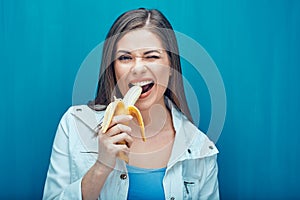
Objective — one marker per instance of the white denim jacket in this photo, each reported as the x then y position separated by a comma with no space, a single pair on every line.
191,171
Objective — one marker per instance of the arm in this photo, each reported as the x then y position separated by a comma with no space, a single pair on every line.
58,185
94,180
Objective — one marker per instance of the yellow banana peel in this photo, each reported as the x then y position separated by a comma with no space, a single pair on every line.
124,106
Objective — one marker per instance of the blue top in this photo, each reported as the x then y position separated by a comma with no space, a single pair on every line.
145,183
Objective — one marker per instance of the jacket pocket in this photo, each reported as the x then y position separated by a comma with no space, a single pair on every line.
192,174
188,189
191,189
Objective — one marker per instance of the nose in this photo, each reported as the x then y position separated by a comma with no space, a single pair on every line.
139,67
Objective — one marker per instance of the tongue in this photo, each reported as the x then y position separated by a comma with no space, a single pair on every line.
147,87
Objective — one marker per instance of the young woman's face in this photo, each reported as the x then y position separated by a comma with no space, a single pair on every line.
140,59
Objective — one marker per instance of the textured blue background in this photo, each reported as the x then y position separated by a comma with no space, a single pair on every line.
254,43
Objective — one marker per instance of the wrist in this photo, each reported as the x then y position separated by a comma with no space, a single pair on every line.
102,168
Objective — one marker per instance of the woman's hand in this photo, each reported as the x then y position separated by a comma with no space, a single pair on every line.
109,145
108,150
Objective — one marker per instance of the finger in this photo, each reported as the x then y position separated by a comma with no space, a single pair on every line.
123,153
128,141
120,119
123,148
120,138
118,128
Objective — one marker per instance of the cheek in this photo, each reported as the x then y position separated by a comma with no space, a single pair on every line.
163,76
120,74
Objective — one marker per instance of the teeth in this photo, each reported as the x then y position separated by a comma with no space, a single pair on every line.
142,83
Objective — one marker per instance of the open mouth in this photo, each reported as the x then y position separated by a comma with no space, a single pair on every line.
146,85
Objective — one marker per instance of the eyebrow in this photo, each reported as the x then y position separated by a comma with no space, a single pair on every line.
145,53
152,51
123,51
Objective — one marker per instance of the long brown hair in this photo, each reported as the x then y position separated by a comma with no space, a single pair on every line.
159,25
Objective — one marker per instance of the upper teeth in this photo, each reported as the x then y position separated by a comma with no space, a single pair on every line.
142,83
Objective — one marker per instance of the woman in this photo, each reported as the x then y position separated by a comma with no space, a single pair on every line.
177,161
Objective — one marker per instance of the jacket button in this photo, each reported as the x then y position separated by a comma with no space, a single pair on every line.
211,147
189,151
123,176
172,198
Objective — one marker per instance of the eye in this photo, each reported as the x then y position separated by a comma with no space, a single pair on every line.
124,58
152,57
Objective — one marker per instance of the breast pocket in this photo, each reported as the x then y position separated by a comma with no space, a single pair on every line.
193,174
82,158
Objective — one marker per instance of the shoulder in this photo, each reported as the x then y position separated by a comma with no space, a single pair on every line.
202,144
199,142
78,110
83,114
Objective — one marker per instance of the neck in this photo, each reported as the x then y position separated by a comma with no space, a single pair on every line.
156,119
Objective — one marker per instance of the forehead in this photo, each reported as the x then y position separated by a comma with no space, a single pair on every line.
139,39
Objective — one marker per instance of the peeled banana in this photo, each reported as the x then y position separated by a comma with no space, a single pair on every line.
124,106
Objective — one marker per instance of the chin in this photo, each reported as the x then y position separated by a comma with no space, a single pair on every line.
143,105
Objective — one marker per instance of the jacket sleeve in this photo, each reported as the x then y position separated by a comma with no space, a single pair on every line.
210,190
58,182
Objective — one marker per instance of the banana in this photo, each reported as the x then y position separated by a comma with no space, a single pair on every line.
124,106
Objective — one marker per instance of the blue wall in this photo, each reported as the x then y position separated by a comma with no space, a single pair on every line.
254,43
